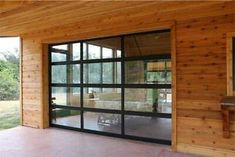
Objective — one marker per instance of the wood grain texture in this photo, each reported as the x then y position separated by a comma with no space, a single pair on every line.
199,57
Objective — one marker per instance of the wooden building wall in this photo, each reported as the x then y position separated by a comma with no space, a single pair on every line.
200,40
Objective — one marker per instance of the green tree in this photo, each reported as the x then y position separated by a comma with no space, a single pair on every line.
9,77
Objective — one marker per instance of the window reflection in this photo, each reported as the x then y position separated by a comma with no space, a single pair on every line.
102,49
59,74
102,73
148,100
105,98
66,117
148,72
148,44
58,57
65,96
105,122
76,51
147,126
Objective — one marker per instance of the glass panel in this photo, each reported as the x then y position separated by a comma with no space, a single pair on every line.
108,73
105,98
66,117
60,47
147,44
93,52
110,48
104,122
66,96
159,77
58,57
111,73
150,72
118,53
107,53
75,73
84,51
92,73
58,74
148,100
134,72
159,72
76,51
150,127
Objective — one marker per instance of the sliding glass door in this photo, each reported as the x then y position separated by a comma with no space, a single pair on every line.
117,86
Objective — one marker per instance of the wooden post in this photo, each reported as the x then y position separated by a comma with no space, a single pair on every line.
226,120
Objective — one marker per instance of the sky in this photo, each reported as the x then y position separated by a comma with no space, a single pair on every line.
8,44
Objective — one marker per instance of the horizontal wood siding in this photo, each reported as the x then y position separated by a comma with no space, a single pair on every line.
201,83
31,83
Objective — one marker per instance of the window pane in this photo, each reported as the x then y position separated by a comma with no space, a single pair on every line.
75,73
106,98
66,96
110,48
66,117
60,47
159,72
107,53
92,73
148,100
150,72
150,127
58,57
112,73
84,51
147,44
58,74
76,51
118,53
104,122
91,51
134,72
108,73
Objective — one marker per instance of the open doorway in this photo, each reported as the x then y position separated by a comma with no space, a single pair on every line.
9,82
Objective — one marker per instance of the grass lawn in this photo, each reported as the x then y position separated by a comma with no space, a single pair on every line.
9,114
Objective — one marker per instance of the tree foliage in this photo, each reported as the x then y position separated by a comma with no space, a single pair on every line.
9,77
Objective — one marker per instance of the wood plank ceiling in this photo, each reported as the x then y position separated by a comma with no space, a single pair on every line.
21,17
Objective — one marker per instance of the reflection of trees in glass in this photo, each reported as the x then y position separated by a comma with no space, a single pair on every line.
108,73
75,72
111,72
94,73
58,57
59,74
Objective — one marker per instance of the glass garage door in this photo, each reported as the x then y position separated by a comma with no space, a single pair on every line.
117,86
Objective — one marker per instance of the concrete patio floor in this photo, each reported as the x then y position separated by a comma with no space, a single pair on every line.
52,142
